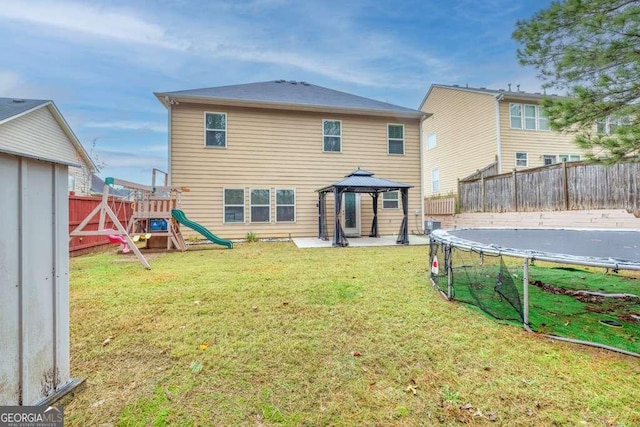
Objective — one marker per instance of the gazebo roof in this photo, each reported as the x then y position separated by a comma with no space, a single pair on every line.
362,181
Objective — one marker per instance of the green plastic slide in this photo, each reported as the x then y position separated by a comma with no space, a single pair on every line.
182,219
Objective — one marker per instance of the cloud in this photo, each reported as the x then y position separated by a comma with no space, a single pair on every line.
128,125
122,159
9,82
88,19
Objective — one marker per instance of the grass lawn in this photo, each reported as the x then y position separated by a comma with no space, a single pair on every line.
267,334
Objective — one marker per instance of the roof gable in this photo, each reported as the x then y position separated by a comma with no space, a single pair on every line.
17,118
289,95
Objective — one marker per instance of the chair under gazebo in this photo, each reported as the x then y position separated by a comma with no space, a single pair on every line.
361,181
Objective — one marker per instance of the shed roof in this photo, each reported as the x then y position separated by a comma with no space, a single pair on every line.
288,94
13,108
362,181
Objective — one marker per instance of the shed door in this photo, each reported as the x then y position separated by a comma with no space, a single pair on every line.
351,203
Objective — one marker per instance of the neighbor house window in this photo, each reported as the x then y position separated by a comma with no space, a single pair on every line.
528,117
285,205
431,141
435,180
72,183
260,205
332,135
390,200
608,126
215,129
233,205
543,119
515,111
548,159
521,160
569,157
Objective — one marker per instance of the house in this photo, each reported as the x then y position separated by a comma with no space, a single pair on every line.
470,128
36,150
255,155
38,127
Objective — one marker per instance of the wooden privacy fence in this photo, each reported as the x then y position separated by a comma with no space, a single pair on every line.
440,206
79,208
563,186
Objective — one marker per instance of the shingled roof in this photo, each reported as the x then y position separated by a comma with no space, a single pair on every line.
10,107
287,94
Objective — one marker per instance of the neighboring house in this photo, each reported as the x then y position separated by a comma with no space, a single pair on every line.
472,127
38,126
254,156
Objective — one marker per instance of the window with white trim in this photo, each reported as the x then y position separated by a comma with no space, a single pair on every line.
395,138
431,141
569,157
522,160
71,183
515,113
435,180
233,204
528,117
549,159
390,200
608,125
285,205
332,136
260,205
543,119
215,130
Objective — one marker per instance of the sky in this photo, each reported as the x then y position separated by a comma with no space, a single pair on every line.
101,61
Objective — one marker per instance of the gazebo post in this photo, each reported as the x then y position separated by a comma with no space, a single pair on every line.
374,224
338,235
403,235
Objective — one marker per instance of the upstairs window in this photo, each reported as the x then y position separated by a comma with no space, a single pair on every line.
332,135
390,200
260,205
395,137
608,125
233,205
515,112
528,117
215,130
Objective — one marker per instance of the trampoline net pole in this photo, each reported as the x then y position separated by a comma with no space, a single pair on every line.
449,265
525,292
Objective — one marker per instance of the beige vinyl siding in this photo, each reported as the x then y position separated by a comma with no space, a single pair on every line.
279,149
37,134
466,138
535,143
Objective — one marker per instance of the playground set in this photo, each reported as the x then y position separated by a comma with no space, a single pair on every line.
155,214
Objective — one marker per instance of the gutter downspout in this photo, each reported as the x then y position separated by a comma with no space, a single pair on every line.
169,109
498,140
422,189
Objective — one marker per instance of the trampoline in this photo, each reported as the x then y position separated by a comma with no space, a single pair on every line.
576,293
598,248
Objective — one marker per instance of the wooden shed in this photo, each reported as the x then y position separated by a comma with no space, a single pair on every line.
37,147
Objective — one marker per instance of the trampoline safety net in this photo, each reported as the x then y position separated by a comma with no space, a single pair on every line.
594,305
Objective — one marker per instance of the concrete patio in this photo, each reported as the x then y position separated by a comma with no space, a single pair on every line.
314,242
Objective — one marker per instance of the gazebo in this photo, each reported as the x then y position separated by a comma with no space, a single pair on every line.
361,181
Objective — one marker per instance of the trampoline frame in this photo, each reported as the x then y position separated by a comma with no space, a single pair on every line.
449,241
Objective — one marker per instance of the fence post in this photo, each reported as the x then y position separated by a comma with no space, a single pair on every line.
459,196
482,201
565,186
515,192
